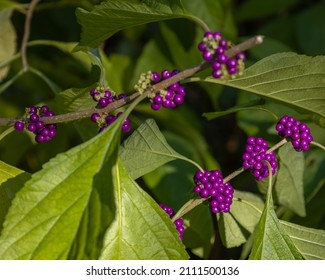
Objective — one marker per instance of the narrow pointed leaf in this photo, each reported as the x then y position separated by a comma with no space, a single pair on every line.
141,230
271,242
112,16
49,208
310,242
294,80
147,149
289,189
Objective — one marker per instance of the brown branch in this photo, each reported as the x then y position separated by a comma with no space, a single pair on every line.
161,85
28,21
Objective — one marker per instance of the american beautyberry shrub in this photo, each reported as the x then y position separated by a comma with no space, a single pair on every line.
105,96
255,157
171,97
43,132
298,133
179,223
213,48
210,184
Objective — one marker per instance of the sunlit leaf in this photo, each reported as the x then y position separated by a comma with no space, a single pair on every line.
141,229
11,180
49,208
271,242
112,16
310,242
147,149
294,80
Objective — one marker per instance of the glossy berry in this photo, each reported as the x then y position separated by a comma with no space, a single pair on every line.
255,156
179,223
19,126
211,184
298,133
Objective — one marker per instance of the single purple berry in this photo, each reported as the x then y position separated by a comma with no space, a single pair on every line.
178,99
158,99
155,106
34,118
94,117
155,77
19,126
207,55
165,74
103,102
202,46
222,58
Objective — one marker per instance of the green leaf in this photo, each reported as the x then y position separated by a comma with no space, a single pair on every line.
7,40
294,80
271,242
307,24
241,107
46,214
112,16
310,242
75,99
199,241
141,229
257,9
11,181
147,149
10,4
289,188
236,227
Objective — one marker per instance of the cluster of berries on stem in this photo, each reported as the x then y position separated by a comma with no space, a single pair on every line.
297,132
211,184
171,97
213,48
43,132
179,223
255,158
105,96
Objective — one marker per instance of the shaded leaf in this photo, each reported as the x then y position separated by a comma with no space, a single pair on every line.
241,107
253,9
147,149
112,16
50,207
310,242
236,227
7,40
289,188
294,80
11,180
141,229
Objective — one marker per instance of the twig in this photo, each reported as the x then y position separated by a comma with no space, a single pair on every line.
28,20
161,85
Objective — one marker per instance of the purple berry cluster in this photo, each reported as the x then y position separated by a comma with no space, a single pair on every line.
167,98
297,132
105,96
43,132
179,223
210,184
213,48
172,96
255,157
